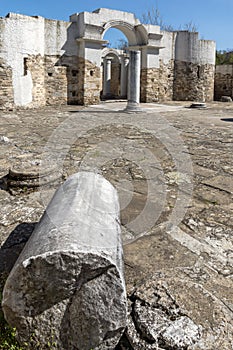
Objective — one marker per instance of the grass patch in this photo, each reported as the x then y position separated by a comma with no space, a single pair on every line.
8,339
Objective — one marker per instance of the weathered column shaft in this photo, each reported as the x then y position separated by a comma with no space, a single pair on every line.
107,77
124,76
67,286
134,78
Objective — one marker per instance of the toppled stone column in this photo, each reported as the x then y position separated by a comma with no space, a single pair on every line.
67,286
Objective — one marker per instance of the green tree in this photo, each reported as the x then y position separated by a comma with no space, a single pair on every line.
224,56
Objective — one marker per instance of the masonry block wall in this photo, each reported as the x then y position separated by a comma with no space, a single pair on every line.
157,83
91,82
184,71
55,81
193,82
6,90
223,81
149,85
194,68
39,63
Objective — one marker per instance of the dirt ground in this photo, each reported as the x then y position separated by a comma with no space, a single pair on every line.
173,168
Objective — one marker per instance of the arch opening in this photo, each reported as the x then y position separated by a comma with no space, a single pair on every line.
114,65
127,29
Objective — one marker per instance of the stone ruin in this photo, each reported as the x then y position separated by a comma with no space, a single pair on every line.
51,62
223,89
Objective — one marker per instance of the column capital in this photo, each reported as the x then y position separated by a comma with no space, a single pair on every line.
124,59
108,59
134,48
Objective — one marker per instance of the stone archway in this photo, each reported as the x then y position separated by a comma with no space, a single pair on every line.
115,73
91,27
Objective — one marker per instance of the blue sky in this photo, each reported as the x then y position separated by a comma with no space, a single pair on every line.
213,18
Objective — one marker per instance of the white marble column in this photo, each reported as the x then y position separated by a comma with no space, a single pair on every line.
71,271
107,77
124,76
134,80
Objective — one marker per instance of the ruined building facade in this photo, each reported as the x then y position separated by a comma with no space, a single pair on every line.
50,62
223,81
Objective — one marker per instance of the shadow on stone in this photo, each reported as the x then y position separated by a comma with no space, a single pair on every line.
102,111
13,246
229,120
3,183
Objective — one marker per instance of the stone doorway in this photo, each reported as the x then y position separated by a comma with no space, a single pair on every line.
114,74
92,28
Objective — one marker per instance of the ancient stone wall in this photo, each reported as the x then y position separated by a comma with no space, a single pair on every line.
166,80
55,80
223,85
70,78
6,91
149,85
49,80
34,65
90,82
194,67
193,82
157,83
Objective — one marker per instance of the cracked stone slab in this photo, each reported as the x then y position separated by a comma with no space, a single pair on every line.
157,321
224,183
160,320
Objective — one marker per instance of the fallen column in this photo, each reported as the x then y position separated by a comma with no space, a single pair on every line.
67,286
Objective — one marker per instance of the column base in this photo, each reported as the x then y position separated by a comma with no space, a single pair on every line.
107,96
133,107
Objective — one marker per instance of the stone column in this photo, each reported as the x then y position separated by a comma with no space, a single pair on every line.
67,286
134,81
107,77
124,76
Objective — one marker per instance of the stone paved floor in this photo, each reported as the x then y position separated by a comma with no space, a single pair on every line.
173,168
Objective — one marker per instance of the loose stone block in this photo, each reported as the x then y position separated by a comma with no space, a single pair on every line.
198,105
226,99
67,286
